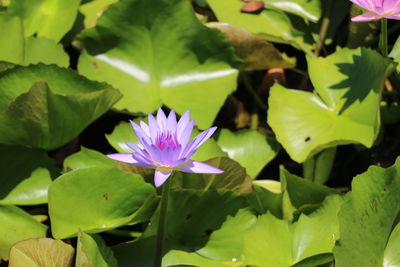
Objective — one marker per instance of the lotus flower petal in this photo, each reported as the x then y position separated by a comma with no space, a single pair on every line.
378,9
165,146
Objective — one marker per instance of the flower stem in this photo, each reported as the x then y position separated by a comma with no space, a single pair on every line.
383,42
162,223
323,31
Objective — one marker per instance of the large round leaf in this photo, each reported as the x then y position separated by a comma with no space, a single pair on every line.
96,199
52,112
346,109
157,52
252,149
367,218
17,225
25,176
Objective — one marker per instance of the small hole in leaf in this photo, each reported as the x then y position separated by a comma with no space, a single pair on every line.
105,196
307,139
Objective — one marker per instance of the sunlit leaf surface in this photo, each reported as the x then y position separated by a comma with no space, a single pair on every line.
138,53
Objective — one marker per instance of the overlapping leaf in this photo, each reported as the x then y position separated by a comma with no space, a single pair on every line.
243,145
367,219
96,199
59,105
133,48
48,18
93,252
188,224
41,252
344,110
273,25
21,50
256,53
288,244
17,225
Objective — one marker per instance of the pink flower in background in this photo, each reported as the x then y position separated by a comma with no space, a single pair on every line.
166,146
378,9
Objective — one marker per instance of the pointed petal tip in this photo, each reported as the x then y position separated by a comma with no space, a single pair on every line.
160,176
124,157
193,166
369,16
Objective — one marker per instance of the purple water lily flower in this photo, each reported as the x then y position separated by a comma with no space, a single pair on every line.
166,146
378,9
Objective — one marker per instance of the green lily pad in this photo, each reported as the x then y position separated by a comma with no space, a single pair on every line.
93,252
252,149
26,175
48,18
17,225
41,252
73,102
216,253
344,110
42,50
231,232
256,53
367,218
263,201
11,39
178,68
188,216
272,25
87,158
96,199
290,243
302,192
188,227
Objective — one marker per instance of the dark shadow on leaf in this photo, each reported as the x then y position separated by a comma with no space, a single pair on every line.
18,164
362,78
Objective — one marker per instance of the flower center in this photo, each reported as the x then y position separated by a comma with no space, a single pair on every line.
166,139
